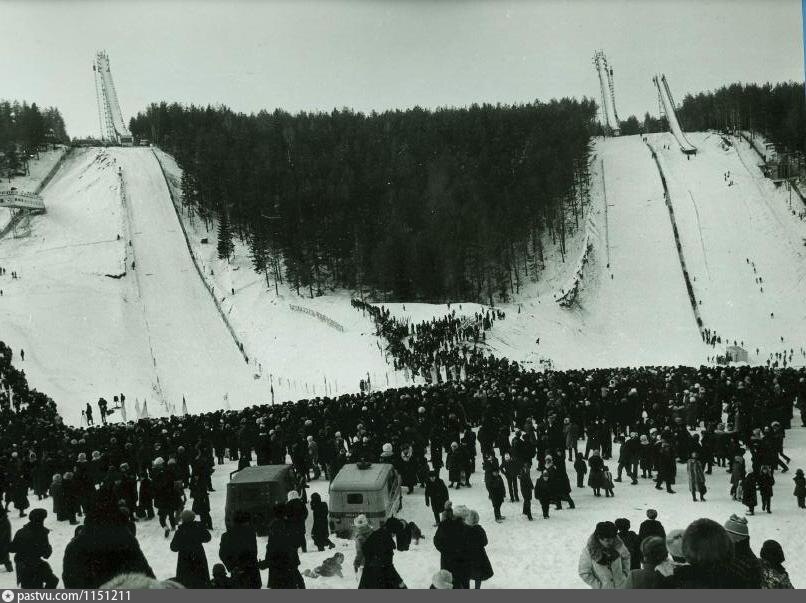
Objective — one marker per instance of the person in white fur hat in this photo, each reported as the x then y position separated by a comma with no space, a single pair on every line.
442,580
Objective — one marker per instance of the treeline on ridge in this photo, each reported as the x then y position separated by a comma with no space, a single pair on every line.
776,111
415,204
24,130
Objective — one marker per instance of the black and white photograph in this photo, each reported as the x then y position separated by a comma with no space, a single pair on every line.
416,294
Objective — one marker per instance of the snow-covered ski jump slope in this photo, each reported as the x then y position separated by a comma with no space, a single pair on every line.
736,227
76,321
193,353
727,214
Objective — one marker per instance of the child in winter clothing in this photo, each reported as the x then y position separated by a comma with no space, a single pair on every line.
330,567
581,467
608,477
220,578
630,540
651,526
800,488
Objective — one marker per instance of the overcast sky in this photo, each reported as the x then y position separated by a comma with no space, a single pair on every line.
377,55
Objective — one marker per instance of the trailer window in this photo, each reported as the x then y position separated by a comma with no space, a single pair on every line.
355,499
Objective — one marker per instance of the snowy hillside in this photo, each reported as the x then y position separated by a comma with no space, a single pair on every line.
300,354
91,326
642,314
78,323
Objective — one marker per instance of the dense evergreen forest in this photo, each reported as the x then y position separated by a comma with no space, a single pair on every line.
417,204
776,111
24,130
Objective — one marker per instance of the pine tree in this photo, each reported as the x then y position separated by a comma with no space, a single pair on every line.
225,244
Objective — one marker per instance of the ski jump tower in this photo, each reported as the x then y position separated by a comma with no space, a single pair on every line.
113,128
668,108
608,93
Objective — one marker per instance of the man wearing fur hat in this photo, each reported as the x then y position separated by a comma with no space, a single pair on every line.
605,562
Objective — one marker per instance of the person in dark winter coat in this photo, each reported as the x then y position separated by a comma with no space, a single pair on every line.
628,458
749,492
320,532
282,558
103,549
510,468
480,568
192,570
543,493
436,495
31,547
57,496
526,485
745,568
496,491
581,468
5,539
800,488
667,468
238,552
296,514
654,553
406,466
201,501
765,483
379,570
651,527
145,498
773,574
631,541
450,540
456,463
220,579
709,553
597,480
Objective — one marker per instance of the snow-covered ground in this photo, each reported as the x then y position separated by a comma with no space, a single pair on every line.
537,554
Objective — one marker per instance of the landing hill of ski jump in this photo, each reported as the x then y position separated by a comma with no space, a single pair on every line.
118,293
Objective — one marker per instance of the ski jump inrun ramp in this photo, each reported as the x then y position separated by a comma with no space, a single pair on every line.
668,105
